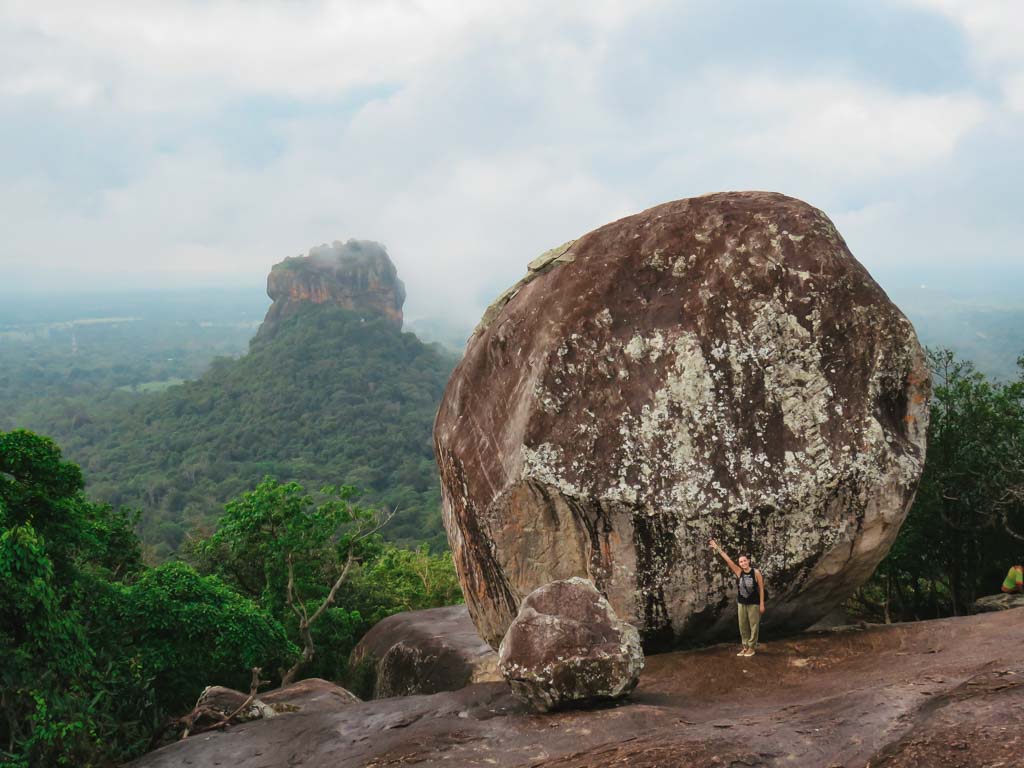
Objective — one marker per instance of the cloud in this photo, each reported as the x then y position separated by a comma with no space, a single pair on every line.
161,55
848,128
148,143
995,29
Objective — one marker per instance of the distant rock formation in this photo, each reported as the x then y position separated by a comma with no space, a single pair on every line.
568,649
357,275
428,651
720,366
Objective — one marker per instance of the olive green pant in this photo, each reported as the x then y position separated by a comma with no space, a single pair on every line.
750,620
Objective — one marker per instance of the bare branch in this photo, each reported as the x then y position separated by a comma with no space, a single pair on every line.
337,584
299,610
189,720
381,520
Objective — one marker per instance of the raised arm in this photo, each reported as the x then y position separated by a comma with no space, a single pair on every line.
728,560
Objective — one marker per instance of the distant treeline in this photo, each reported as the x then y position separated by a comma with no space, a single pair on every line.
333,398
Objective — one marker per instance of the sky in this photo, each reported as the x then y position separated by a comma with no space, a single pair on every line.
166,144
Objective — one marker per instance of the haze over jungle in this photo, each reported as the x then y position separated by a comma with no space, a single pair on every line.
562,385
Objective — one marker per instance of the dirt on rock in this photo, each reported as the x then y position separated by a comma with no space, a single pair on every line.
937,693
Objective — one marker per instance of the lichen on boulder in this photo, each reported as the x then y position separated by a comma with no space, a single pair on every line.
567,648
720,366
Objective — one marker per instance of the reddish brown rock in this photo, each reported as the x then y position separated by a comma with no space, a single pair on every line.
719,366
932,693
428,651
312,694
567,649
357,275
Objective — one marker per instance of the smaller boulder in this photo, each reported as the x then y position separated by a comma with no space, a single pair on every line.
566,648
217,702
1000,602
426,651
312,694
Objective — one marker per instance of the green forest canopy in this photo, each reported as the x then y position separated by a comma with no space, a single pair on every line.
99,650
333,398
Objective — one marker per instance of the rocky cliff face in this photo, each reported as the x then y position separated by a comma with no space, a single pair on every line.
719,367
357,275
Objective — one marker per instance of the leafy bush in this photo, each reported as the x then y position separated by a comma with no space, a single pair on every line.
95,648
966,526
187,631
321,568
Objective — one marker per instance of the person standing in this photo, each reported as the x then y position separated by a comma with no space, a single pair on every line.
1014,581
749,598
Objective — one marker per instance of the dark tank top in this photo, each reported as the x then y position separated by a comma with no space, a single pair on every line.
746,589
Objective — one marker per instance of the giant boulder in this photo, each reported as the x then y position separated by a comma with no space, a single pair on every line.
717,366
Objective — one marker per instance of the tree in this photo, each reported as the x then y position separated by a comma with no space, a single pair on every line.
186,631
305,551
56,551
968,516
408,580
94,648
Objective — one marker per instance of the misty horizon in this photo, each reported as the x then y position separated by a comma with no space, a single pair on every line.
469,139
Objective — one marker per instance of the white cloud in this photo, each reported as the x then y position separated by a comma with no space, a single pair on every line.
996,26
995,29
848,128
507,129
155,54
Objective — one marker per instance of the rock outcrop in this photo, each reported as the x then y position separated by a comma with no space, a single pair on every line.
721,367
931,693
428,651
312,694
357,275
1000,602
567,648
217,702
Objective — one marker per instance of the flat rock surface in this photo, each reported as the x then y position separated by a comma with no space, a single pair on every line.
938,693
428,651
